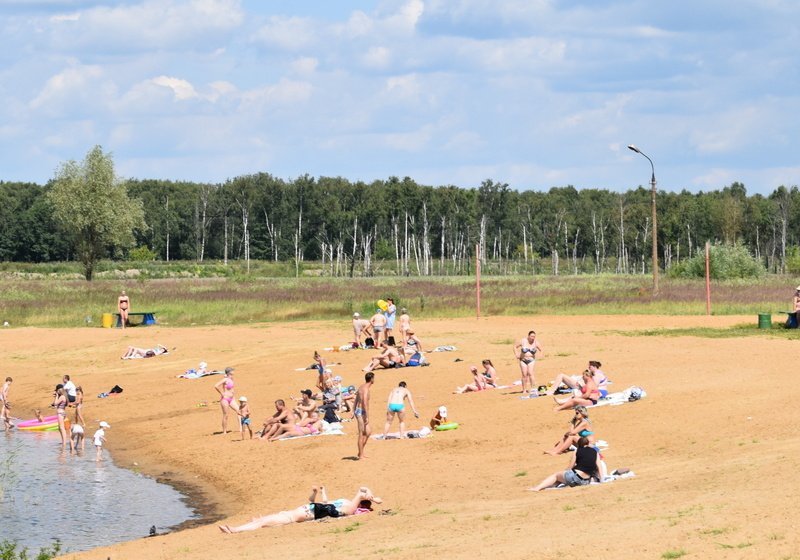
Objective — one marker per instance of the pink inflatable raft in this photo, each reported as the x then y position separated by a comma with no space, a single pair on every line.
48,423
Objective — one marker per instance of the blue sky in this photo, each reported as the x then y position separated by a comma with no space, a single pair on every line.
535,93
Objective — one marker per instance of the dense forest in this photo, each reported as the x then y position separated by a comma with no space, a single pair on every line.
398,226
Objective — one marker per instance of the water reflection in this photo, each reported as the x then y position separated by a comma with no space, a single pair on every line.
47,493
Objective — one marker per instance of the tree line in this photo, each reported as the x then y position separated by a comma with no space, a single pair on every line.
395,225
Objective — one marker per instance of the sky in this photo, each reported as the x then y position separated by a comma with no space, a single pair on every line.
534,93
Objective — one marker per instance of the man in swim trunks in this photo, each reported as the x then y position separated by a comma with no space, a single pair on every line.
378,323
281,416
361,413
389,357
397,407
360,327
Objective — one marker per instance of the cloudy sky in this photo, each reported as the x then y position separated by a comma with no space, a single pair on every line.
536,93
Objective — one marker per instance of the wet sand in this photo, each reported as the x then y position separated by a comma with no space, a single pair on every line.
714,443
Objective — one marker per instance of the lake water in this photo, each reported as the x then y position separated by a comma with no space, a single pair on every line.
46,495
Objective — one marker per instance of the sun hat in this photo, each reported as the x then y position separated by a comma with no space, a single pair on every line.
243,399
229,370
356,315
203,365
443,411
798,288
306,392
104,424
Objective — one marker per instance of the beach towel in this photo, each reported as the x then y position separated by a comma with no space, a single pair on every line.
622,397
610,478
193,374
149,353
410,434
446,348
327,430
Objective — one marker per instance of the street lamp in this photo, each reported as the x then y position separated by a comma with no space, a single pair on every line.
655,226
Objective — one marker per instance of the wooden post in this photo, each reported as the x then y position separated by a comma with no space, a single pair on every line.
708,280
477,281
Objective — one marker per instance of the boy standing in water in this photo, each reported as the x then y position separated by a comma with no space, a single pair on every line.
100,439
5,408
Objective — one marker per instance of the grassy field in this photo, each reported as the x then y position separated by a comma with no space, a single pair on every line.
59,299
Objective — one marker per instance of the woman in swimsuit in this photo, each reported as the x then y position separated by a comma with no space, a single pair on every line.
60,402
584,466
123,306
225,389
324,374
489,373
361,503
526,352
413,344
589,394
581,427
478,383
405,324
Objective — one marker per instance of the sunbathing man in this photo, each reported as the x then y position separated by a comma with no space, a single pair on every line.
361,503
388,358
396,407
306,406
271,424
134,352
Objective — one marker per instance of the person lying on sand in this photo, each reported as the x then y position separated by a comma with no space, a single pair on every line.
361,503
134,352
388,358
575,382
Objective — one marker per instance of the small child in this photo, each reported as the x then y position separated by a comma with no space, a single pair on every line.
100,439
440,417
244,412
38,414
77,439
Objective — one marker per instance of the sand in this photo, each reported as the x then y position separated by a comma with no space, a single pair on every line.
714,444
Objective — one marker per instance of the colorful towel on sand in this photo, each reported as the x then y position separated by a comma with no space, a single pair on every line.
621,397
192,374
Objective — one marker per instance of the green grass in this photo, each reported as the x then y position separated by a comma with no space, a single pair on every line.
521,473
673,554
741,330
187,293
11,551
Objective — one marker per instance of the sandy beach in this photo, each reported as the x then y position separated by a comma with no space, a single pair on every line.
714,444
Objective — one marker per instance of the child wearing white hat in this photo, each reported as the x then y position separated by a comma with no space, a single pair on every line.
100,439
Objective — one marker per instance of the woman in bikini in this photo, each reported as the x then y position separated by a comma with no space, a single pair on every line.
413,344
489,374
123,306
581,427
60,403
361,503
478,383
225,389
526,351
589,394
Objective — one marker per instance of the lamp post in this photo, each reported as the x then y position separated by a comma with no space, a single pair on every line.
655,223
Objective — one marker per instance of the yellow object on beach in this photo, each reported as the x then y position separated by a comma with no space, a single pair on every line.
382,305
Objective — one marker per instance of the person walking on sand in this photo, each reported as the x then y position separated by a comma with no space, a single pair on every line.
123,307
526,351
361,413
225,389
5,407
397,406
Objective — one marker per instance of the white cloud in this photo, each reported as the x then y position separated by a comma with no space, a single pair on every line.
305,65
289,33
181,89
377,57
